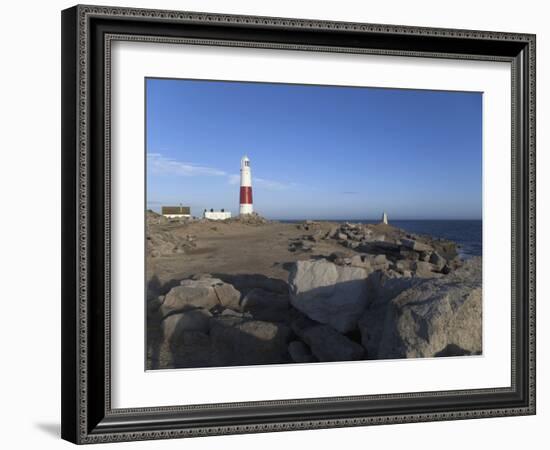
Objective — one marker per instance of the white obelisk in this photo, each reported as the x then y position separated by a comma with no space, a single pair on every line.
246,187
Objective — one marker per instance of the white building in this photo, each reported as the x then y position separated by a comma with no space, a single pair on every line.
216,215
176,212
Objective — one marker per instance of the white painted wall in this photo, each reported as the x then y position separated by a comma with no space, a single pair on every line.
246,208
29,333
217,215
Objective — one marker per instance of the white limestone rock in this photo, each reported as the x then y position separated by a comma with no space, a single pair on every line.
328,293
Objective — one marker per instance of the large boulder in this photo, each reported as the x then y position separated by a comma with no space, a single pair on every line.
238,342
329,294
192,349
436,317
415,245
382,288
300,352
227,295
202,293
190,320
327,344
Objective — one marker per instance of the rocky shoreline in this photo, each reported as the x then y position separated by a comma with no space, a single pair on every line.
350,292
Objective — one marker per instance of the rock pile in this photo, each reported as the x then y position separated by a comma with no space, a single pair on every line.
166,242
437,317
302,244
152,218
408,254
205,321
249,219
164,237
396,316
395,295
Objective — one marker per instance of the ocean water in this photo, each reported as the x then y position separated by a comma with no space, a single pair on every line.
466,233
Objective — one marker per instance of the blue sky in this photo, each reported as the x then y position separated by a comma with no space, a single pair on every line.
316,152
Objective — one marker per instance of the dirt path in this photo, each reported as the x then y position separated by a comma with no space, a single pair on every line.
234,248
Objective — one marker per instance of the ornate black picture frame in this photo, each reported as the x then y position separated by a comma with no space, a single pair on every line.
87,33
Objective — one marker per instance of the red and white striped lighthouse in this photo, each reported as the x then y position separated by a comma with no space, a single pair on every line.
246,187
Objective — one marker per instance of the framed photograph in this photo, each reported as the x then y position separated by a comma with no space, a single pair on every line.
279,224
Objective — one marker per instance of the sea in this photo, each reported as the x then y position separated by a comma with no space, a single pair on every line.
466,233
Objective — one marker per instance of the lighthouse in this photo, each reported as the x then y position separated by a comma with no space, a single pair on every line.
246,187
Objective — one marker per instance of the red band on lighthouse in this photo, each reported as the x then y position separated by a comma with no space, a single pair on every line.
246,195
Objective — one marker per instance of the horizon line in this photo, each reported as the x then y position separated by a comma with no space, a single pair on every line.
349,219
374,220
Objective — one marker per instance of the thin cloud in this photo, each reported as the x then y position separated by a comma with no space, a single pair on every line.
161,165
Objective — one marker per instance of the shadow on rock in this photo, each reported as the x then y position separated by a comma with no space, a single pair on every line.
454,350
247,282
